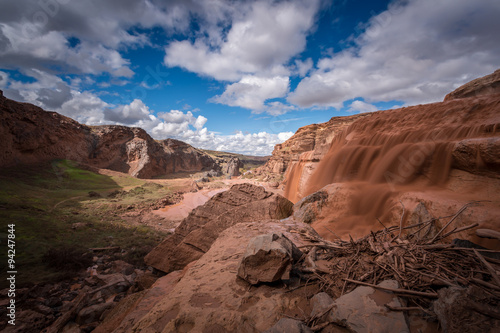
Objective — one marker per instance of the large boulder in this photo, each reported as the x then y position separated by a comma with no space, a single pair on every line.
268,258
309,208
197,232
467,310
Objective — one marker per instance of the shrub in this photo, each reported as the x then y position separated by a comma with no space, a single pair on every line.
68,257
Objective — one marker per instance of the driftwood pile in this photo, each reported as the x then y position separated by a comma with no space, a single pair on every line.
410,255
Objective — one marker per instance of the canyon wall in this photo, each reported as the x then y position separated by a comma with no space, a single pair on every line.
443,155
31,135
298,156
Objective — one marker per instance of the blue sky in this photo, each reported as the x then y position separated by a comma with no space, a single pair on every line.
240,76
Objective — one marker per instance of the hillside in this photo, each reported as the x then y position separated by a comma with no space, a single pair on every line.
32,135
248,161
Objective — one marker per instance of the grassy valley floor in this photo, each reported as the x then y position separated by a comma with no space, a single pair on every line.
62,210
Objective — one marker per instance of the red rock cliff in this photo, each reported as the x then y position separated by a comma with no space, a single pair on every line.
442,154
31,135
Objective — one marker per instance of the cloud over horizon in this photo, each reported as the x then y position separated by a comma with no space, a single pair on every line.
93,61
414,52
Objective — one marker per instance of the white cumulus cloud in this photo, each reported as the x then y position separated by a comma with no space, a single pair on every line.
263,35
361,107
252,91
415,52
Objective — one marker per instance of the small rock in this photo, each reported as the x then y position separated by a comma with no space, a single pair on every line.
93,194
274,184
289,325
79,225
45,310
71,327
202,180
145,280
268,258
320,303
120,266
92,313
53,302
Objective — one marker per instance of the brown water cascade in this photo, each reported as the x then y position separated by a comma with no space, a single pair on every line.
395,151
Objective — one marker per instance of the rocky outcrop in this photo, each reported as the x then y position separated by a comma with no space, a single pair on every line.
133,151
486,85
182,157
210,298
314,139
197,232
31,136
128,150
232,168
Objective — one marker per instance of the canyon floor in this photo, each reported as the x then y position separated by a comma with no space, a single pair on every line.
62,205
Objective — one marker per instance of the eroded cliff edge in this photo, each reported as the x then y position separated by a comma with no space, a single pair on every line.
369,169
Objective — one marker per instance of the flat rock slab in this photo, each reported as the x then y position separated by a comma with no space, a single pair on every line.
289,325
363,310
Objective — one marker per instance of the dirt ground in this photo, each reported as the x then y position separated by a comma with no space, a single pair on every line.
168,217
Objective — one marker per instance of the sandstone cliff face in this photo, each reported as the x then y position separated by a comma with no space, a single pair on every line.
31,135
183,157
443,155
313,139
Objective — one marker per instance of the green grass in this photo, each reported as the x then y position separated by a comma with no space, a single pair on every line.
44,202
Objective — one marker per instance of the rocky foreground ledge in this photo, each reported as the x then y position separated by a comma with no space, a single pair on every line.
278,275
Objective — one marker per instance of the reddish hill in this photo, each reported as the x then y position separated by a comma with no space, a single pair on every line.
31,135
